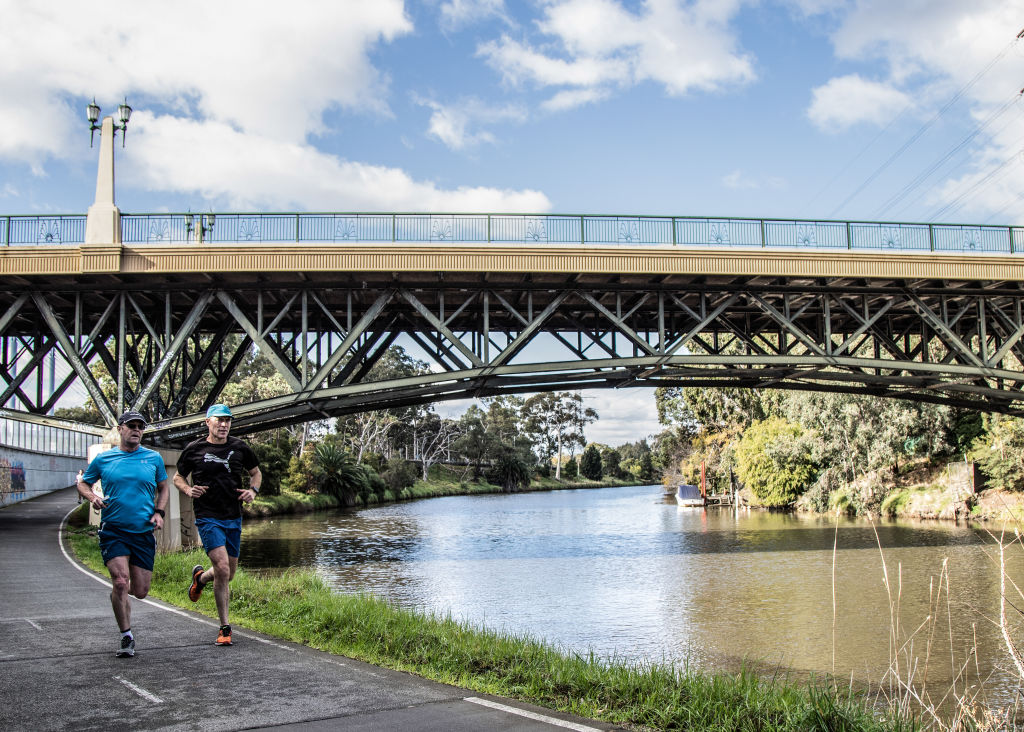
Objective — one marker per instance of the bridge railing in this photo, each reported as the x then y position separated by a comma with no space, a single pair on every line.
280,228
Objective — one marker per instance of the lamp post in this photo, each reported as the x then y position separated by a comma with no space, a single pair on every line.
203,226
103,224
124,113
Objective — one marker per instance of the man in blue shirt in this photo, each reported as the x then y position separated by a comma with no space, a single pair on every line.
134,483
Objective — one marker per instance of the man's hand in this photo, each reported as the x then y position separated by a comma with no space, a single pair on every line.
157,520
246,495
197,490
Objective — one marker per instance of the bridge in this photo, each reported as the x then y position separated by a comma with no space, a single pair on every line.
156,311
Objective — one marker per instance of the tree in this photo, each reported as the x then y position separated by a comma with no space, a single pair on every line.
1000,453
432,439
774,462
380,430
274,458
572,468
86,414
856,434
610,463
646,472
590,463
477,442
556,420
510,471
399,475
715,408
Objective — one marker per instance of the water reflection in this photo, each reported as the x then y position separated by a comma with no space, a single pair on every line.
627,575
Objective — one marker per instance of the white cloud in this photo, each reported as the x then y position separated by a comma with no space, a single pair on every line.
252,172
933,50
458,13
625,415
572,98
248,83
255,64
453,124
847,100
740,180
599,44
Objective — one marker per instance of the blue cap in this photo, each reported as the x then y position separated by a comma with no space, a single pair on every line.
218,410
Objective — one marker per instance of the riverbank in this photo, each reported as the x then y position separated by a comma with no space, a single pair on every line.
443,482
922,491
299,607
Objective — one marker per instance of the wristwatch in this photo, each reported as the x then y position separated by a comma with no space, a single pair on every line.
160,511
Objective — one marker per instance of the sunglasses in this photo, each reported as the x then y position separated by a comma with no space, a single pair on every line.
135,426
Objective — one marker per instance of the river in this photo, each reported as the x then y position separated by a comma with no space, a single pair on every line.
625,573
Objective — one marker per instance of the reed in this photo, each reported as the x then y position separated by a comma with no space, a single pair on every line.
962,705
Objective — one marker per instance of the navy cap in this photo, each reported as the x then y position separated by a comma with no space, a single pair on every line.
218,410
131,416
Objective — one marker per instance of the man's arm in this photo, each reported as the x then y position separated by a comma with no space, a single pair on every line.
248,495
162,493
180,482
85,491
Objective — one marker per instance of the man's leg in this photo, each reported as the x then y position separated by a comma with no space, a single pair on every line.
222,571
140,580
120,577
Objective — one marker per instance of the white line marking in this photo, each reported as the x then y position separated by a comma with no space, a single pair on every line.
33,623
176,611
140,691
531,715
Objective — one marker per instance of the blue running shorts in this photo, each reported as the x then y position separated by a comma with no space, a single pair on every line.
139,548
221,532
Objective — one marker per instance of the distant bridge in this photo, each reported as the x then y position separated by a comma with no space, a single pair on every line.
499,304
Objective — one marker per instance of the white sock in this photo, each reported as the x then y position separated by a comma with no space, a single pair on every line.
127,633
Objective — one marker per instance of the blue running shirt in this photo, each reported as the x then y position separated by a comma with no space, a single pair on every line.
128,480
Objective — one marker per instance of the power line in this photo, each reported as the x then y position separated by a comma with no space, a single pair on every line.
925,127
921,193
909,188
970,192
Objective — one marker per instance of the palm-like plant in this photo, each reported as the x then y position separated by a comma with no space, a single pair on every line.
338,473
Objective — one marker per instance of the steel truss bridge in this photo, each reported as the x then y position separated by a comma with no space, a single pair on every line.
500,304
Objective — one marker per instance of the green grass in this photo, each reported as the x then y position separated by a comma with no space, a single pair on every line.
298,606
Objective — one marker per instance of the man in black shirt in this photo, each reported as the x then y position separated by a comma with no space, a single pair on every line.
215,464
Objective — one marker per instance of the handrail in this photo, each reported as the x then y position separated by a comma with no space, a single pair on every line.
483,229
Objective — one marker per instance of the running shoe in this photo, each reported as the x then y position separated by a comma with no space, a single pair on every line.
127,647
196,588
224,637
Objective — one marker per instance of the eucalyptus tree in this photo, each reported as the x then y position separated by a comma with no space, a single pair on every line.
557,420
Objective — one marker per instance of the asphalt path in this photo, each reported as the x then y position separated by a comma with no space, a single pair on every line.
58,670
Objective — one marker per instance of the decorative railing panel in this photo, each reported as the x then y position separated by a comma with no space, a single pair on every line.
280,228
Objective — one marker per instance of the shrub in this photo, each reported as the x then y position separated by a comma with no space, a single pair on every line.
338,474
774,462
399,474
275,459
510,472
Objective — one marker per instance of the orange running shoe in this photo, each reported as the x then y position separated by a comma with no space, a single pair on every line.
196,588
224,637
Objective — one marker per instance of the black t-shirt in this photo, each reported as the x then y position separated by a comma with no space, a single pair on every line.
221,468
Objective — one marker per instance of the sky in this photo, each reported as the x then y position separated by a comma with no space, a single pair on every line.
878,110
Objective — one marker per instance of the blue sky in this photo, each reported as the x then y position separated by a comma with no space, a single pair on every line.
792,109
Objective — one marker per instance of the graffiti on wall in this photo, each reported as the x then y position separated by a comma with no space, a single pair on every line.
12,481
